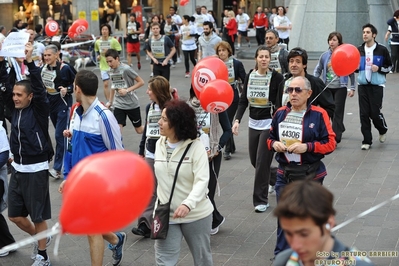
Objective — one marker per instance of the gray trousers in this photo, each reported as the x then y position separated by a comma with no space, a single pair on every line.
198,237
261,158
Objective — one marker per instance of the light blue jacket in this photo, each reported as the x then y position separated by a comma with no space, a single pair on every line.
321,71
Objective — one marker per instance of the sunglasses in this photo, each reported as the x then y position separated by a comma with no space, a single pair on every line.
296,89
296,51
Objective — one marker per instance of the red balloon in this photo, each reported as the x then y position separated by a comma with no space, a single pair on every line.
206,70
345,59
105,192
184,2
72,34
80,25
216,96
51,28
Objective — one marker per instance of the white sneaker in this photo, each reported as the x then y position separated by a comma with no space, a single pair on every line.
238,48
152,74
3,254
187,75
249,44
40,261
383,138
178,60
147,57
271,189
365,147
261,208
215,230
55,174
36,246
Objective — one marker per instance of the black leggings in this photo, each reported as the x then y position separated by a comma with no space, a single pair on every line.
188,54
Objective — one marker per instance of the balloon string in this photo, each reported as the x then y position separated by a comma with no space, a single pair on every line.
317,96
364,213
56,229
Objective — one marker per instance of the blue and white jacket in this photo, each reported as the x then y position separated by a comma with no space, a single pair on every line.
381,58
321,70
94,131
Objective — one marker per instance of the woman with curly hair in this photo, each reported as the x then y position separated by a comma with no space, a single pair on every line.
190,207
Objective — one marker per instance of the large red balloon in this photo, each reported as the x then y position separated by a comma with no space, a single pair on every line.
105,192
345,59
216,96
206,70
51,28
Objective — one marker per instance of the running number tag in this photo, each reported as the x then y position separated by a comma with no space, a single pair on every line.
202,77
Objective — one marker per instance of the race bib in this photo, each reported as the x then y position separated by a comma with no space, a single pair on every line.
152,124
258,90
48,77
290,132
230,69
158,48
104,46
117,81
203,119
275,63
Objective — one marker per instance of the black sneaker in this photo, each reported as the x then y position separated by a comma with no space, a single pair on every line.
142,230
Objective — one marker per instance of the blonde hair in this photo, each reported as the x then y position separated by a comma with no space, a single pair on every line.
231,13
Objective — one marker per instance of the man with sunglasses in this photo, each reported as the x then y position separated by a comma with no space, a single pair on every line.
301,135
297,64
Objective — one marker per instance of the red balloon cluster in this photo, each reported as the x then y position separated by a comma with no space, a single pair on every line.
51,28
209,81
105,192
345,59
78,27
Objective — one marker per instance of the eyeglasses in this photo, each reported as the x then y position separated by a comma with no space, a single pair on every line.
296,89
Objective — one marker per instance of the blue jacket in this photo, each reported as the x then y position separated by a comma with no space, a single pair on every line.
317,133
381,58
93,131
28,140
321,70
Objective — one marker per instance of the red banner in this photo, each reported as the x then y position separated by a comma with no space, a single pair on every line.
139,16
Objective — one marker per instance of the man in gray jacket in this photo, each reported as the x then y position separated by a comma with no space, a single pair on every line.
207,41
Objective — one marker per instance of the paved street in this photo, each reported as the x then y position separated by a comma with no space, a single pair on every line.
359,180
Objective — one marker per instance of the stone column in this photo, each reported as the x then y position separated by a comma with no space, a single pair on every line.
88,6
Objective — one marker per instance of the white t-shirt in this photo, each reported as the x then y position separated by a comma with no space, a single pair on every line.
282,21
369,52
188,42
242,21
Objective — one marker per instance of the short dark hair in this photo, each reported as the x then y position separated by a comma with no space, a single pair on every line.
132,15
108,26
335,34
26,84
396,14
284,10
112,52
172,7
87,82
182,118
305,199
208,23
273,31
2,27
372,28
38,28
298,51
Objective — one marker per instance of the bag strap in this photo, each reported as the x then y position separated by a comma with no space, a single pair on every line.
177,171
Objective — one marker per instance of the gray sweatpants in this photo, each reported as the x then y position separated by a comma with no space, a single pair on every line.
198,237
